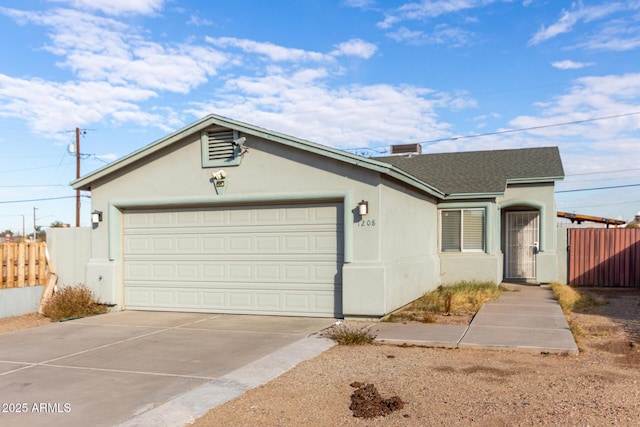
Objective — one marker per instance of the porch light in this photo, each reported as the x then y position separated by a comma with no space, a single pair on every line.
96,217
363,208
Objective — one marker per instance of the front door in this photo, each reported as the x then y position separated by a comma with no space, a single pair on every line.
522,242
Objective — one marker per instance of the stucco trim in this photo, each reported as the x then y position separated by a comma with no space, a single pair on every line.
117,208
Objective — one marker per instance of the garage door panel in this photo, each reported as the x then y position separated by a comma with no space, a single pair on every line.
233,272
187,218
270,260
213,244
188,298
213,300
162,219
294,302
296,244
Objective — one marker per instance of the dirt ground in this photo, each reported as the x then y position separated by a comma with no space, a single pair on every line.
32,320
415,386
435,387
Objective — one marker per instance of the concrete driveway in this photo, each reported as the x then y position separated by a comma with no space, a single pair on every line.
145,368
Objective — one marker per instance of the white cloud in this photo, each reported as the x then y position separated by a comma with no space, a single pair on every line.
269,50
362,4
570,18
302,104
618,35
427,9
441,35
589,98
197,21
51,107
117,7
570,65
96,48
355,47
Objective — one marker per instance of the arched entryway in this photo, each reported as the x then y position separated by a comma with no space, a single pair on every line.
521,244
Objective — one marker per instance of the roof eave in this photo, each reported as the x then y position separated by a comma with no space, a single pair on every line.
535,180
462,196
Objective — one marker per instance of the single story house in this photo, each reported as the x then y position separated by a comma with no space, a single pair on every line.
223,216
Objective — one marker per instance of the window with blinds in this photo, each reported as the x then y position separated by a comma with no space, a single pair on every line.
462,230
218,148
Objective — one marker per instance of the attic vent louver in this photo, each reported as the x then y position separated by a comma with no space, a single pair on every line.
218,148
406,149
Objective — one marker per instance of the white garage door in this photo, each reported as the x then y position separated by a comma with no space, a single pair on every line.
251,260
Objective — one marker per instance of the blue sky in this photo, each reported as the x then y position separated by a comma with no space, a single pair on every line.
358,75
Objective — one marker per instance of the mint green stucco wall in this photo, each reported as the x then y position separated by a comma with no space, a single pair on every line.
404,265
489,265
386,265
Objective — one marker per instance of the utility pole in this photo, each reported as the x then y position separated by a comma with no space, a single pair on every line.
77,176
35,227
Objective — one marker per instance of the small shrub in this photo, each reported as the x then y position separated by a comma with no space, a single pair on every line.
345,334
429,318
570,299
463,297
71,302
576,330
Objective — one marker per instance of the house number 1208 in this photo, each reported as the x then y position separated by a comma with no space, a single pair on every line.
367,223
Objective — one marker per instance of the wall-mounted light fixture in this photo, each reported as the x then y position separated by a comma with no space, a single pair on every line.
219,179
363,208
96,217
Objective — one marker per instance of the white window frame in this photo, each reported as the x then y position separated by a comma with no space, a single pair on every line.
461,236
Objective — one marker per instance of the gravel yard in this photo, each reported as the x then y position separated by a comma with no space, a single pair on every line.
601,386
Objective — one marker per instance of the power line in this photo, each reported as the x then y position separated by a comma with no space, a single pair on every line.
502,132
631,202
575,122
34,185
596,173
42,200
598,188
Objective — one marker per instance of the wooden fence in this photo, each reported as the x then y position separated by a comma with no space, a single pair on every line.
23,264
605,257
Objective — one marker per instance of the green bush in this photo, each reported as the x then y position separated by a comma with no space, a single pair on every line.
72,302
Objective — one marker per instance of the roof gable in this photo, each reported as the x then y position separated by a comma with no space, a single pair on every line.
482,172
85,182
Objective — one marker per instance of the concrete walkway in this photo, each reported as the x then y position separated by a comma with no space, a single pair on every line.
527,318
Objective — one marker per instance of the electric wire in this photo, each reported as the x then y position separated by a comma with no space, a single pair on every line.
507,131
42,199
598,188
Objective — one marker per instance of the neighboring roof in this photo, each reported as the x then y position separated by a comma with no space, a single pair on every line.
579,218
477,173
85,182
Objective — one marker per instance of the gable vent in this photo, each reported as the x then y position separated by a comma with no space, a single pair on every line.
220,145
218,148
406,149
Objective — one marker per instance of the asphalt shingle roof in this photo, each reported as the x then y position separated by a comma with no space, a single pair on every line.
481,171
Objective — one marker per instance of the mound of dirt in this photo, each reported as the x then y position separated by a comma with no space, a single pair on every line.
366,402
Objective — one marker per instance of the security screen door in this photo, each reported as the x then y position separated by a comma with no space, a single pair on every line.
522,237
